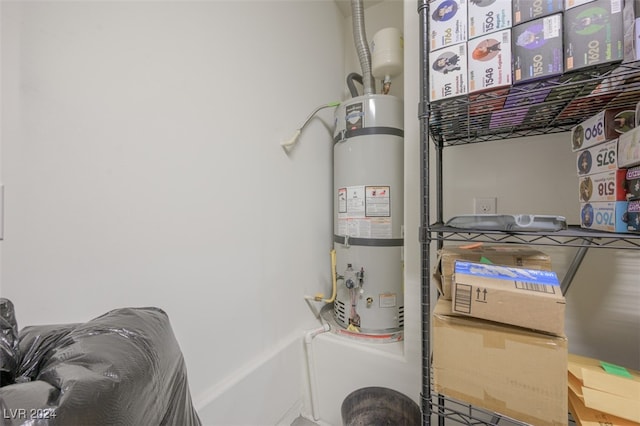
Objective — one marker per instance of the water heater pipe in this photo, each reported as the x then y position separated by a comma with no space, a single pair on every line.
311,367
362,47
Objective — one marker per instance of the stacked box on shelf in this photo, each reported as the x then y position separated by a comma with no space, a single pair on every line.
508,255
603,392
489,61
629,157
527,10
488,16
448,77
447,23
601,182
483,356
537,49
593,34
448,53
517,105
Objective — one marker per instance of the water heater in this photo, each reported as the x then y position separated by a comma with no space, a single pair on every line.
368,213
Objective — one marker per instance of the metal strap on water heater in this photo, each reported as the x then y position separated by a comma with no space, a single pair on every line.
372,242
366,131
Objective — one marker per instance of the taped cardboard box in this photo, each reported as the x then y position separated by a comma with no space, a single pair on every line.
605,387
527,298
509,370
508,255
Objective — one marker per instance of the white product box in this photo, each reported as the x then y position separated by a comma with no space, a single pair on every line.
598,159
489,61
633,216
606,216
606,125
605,186
448,76
447,22
629,148
488,16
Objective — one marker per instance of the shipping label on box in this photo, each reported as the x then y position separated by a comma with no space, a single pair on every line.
448,76
633,216
510,255
606,125
598,159
593,34
604,216
488,364
629,148
605,186
489,61
633,183
488,16
529,298
526,10
537,49
447,23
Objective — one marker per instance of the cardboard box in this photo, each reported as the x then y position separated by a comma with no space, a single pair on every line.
527,10
508,255
604,216
633,216
488,16
447,23
605,186
518,104
593,34
529,298
585,416
629,148
505,369
489,61
537,49
605,387
482,104
633,183
606,125
598,159
448,76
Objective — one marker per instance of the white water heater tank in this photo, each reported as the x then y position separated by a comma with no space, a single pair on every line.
387,53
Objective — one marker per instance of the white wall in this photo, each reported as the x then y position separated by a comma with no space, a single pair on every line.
142,166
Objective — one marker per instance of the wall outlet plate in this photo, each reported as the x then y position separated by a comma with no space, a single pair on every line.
485,205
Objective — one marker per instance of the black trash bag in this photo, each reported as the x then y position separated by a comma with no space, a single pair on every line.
122,368
8,343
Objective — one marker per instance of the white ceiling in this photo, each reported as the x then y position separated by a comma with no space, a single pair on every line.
345,5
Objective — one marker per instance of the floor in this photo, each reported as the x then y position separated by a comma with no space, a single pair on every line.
301,421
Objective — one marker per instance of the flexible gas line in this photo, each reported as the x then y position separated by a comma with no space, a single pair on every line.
294,139
319,297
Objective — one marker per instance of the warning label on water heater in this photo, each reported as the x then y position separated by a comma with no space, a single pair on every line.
364,211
